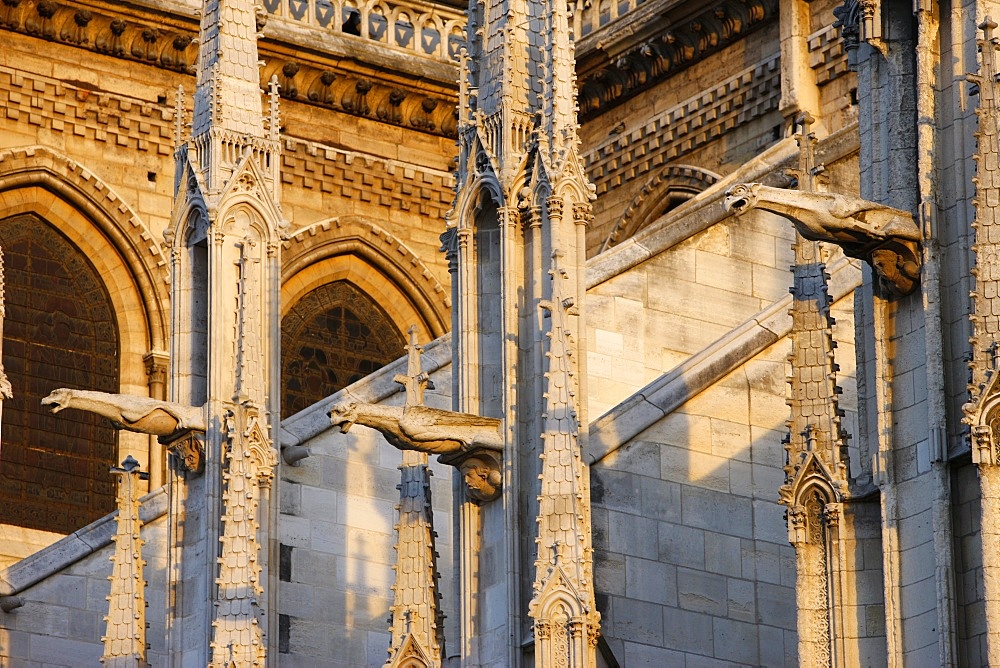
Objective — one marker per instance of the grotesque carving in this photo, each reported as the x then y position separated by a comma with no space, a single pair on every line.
885,237
469,442
133,413
481,473
430,430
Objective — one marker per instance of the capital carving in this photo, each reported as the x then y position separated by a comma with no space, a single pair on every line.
797,524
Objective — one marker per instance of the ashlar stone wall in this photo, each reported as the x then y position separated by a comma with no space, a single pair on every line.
691,545
338,513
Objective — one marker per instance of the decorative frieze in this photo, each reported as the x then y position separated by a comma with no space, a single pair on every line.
637,64
826,54
366,178
688,125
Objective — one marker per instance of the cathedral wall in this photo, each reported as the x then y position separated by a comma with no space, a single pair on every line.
971,605
692,552
645,321
336,534
692,549
62,619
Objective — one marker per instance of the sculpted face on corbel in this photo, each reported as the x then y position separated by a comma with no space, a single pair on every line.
481,473
884,237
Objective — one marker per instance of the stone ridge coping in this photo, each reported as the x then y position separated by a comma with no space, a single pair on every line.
705,209
703,369
372,389
81,543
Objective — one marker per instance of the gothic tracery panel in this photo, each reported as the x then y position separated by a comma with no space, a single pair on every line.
60,330
333,336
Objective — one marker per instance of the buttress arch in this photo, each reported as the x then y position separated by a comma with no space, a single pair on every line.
672,185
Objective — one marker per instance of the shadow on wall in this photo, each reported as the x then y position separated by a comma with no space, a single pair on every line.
692,557
337,534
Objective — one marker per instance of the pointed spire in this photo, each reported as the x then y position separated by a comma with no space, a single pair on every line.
567,623
986,302
125,637
227,93
814,426
417,620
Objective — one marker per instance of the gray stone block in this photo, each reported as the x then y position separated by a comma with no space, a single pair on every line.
609,573
742,601
687,631
722,554
62,652
700,591
644,656
661,499
638,621
716,511
776,605
681,545
735,641
633,535
651,581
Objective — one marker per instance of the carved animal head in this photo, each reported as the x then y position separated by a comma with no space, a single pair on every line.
58,399
741,197
344,415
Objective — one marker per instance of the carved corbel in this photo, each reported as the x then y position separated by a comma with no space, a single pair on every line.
797,525
481,472
886,238
187,449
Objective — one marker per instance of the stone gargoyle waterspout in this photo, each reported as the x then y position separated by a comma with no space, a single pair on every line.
885,237
169,421
471,443
129,412
430,430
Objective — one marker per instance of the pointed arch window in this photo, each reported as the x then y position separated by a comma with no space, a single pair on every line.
333,336
60,330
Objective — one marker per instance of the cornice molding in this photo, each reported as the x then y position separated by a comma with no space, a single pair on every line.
648,46
384,89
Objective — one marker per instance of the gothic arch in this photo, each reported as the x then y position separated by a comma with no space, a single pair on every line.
354,249
61,329
36,179
671,183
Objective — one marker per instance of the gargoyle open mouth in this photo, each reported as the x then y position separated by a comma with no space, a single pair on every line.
739,198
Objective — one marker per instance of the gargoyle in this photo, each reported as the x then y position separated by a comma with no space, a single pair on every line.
885,237
129,412
468,442
424,429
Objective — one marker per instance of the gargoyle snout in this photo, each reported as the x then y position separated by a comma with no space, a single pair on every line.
58,399
738,199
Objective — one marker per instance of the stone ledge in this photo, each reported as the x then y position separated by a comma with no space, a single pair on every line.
74,547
